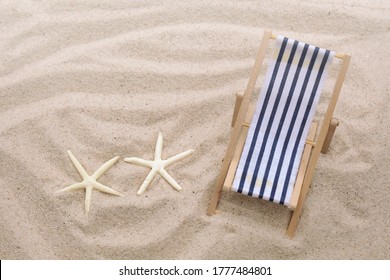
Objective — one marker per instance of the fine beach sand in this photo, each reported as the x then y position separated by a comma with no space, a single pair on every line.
103,79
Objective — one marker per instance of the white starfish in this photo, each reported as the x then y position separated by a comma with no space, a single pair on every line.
89,183
158,165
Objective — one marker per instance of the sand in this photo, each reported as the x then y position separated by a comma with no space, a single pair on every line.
103,79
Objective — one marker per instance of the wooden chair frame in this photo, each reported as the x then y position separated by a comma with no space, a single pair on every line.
241,119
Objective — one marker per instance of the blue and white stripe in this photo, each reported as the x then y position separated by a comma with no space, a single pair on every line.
270,159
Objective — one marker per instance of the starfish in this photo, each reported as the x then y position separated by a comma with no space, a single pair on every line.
89,183
158,165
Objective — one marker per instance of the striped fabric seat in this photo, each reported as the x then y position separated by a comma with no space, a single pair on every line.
276,137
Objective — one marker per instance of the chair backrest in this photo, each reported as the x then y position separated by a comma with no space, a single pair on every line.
288,99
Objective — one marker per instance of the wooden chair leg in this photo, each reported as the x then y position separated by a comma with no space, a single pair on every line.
296,215
332,127
214,202
292,227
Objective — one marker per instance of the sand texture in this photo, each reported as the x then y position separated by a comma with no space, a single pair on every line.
102,78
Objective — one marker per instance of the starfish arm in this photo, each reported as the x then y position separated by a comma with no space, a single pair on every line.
104,168
169,179
159,145
80,169
178,157
139,161
105,189
147,182
76,186
88,198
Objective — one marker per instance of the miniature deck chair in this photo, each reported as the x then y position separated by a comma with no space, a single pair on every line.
273,148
